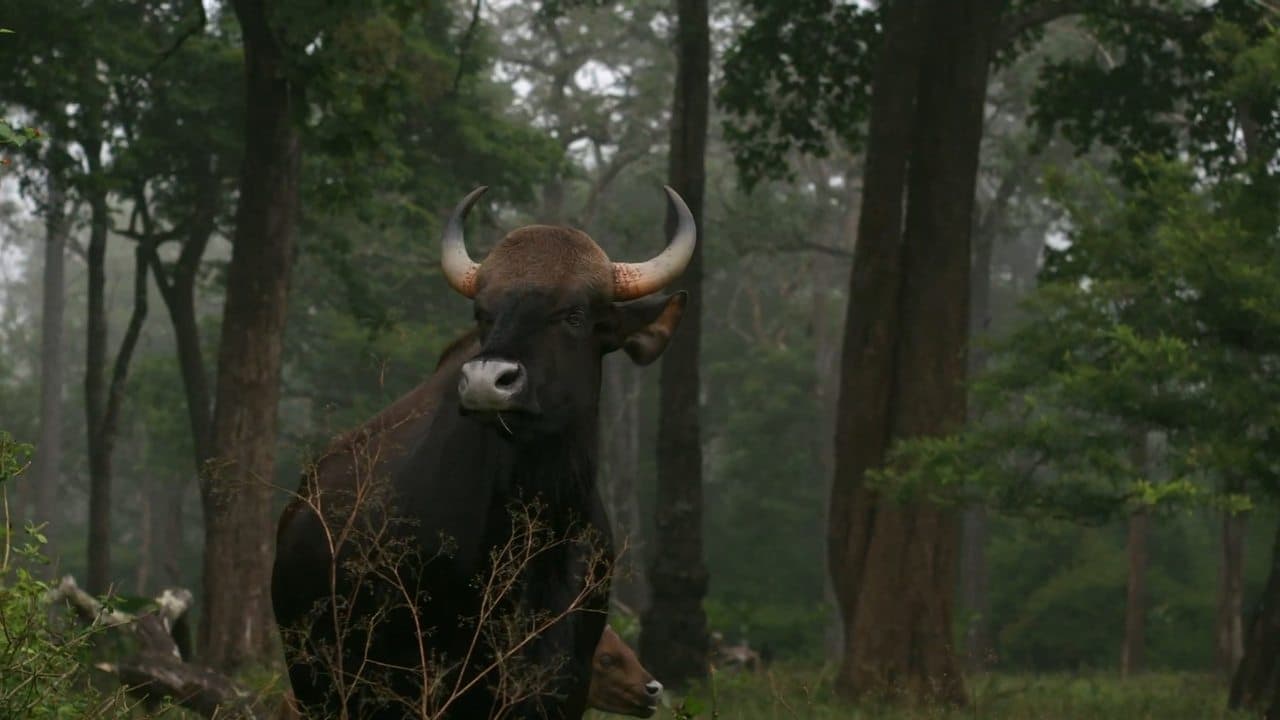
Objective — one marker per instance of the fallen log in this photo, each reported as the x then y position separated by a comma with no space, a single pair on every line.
158,670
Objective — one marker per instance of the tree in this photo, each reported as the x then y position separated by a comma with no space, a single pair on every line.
88,52
1203,94
903,359
801,104
48,462
236,485
673,641
1159,337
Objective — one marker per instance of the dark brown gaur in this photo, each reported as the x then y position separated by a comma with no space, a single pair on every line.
619,683
630,280
509,417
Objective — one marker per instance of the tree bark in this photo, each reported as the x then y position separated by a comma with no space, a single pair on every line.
1230,635
236,486
48,456
1256,684
975,576
673,640
904,357
1133,652
99,539
107,430
1133,649
178,290
620,477
827,276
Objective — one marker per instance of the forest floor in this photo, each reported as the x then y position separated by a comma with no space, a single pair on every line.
806,694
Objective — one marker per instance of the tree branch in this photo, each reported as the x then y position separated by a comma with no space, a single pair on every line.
1046,11
158,671
120,372
201,20
465,45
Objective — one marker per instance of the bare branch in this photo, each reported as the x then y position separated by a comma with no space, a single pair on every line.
201,20
1046,11
465,45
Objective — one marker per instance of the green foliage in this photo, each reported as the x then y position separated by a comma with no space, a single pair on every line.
16,136
11,135
42,657
1161,314
1179,80
796,78
766,483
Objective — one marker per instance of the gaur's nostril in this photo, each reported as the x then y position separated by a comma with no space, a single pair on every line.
654,688
508,378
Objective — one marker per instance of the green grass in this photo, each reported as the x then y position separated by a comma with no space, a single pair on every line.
790,693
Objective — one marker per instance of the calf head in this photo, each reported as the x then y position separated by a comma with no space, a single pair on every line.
619,683
549,303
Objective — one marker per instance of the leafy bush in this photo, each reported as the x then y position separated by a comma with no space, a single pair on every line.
42,653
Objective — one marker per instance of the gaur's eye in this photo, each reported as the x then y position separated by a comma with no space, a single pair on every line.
575,317
608,661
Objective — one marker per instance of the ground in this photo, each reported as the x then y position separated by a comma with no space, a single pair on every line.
798,693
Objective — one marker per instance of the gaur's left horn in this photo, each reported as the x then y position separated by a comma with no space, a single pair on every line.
459,269
635,280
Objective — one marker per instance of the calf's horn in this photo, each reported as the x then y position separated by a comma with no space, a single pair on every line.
459,269
635,280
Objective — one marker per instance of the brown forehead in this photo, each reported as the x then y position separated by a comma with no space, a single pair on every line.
555,259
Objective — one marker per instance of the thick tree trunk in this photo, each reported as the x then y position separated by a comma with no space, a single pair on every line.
236,486
903,365
620,478
48,457
1230,626
1133,651
975,577
673,640
1256,684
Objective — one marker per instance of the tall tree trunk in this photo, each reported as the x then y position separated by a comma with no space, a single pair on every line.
95,364
170,538
827,276
903,364
673,640
975,577
1256,684
178,290
236,486
1133,652
1133,649
1230,626
147,535
48,457
106,428
620,477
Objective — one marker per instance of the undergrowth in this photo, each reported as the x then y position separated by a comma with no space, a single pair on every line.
806,693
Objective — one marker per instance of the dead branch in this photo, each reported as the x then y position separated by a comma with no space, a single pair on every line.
158,671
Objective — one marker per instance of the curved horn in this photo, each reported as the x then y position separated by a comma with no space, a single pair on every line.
459,269
634,280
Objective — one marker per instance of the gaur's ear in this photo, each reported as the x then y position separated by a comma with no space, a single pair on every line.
643,327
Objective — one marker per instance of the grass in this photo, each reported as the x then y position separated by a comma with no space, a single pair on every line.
791,693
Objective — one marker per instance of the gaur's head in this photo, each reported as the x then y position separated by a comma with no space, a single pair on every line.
549,304
619,683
